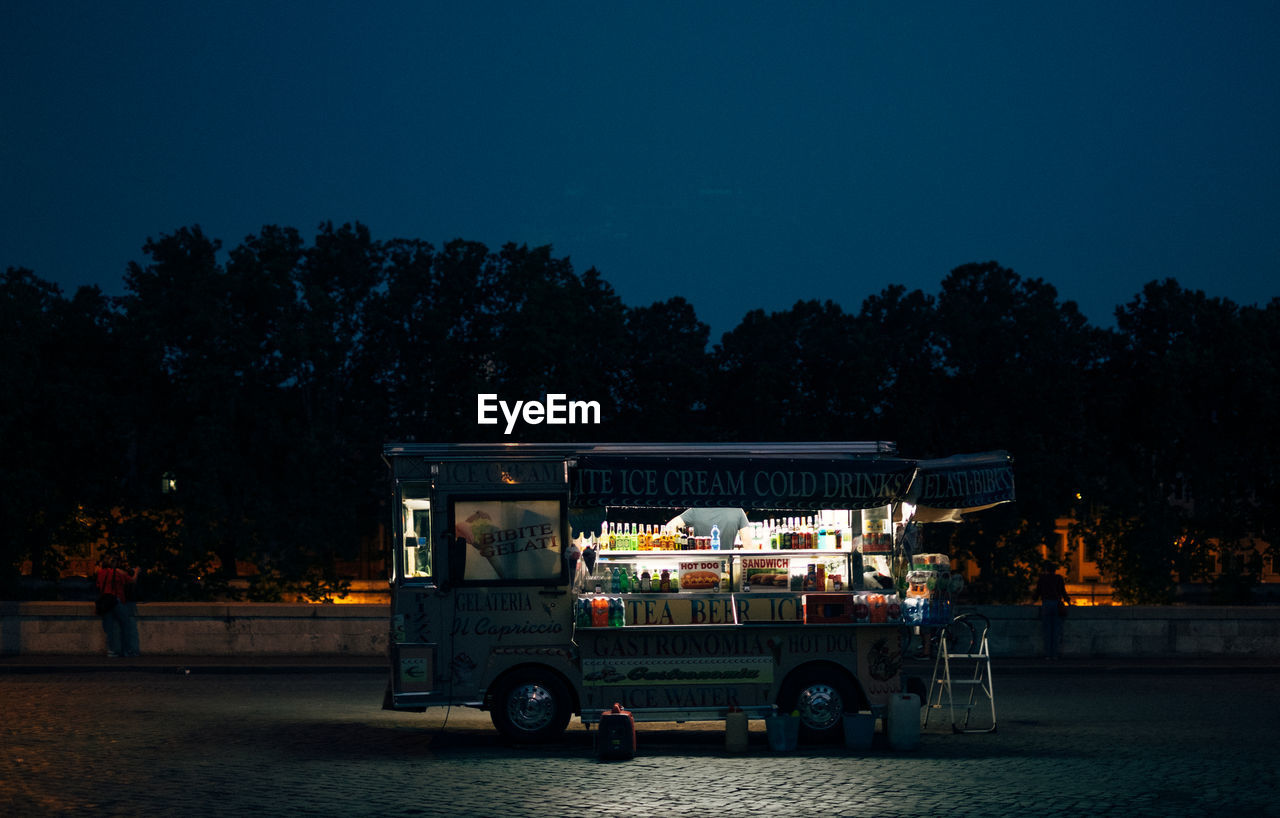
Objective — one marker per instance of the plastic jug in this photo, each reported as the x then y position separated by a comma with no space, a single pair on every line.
735,730
616,738
903,725
859,729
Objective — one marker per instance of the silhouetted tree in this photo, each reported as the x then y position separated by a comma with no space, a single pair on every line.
664,377
555,332
266,382
1016,366
901,349
1187,379
799,374
62,436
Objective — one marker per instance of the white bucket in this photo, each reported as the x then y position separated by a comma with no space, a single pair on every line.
903,721
859,728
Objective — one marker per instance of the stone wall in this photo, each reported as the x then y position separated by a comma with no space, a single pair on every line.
201,629
1139,631
230,629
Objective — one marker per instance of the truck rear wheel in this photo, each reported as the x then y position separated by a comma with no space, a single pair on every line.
822,697
531,707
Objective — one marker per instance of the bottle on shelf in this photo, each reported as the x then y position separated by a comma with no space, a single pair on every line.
599,612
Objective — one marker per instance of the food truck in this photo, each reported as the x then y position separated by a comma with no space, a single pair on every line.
543,581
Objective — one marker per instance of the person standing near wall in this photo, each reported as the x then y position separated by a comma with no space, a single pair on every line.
1054,600
129,618
117,607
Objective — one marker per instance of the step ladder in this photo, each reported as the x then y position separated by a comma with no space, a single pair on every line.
963,661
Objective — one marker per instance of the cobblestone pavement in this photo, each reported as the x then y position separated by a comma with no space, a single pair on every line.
147,742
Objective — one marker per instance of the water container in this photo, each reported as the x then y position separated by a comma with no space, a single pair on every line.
903,721
859,728
735,731
616,738
783,732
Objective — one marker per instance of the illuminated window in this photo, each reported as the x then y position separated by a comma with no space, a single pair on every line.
511,540
415,541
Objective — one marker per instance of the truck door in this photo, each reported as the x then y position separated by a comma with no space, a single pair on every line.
419,630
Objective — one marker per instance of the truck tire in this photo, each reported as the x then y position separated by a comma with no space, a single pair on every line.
822,696
531,707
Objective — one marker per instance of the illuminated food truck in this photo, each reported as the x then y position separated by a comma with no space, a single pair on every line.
543,581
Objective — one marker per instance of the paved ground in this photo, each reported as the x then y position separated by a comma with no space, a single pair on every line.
166,737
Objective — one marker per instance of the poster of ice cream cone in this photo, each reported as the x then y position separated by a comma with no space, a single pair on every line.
511,539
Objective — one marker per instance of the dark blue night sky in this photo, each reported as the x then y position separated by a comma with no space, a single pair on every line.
741,154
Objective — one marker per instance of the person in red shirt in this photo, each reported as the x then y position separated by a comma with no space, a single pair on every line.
119,621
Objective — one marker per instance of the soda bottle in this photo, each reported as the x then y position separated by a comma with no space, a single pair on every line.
599,612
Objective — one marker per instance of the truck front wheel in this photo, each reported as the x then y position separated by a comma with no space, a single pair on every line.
822,698
531,707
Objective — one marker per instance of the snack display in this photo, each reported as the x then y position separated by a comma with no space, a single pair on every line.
702,575
765,573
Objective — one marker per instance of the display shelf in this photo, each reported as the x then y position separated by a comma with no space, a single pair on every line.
810,570
735,552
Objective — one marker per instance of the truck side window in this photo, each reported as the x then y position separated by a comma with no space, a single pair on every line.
511,540
415,542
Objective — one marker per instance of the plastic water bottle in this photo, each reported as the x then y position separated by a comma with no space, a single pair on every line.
715,538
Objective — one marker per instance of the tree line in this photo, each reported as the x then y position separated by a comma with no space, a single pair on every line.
260,384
